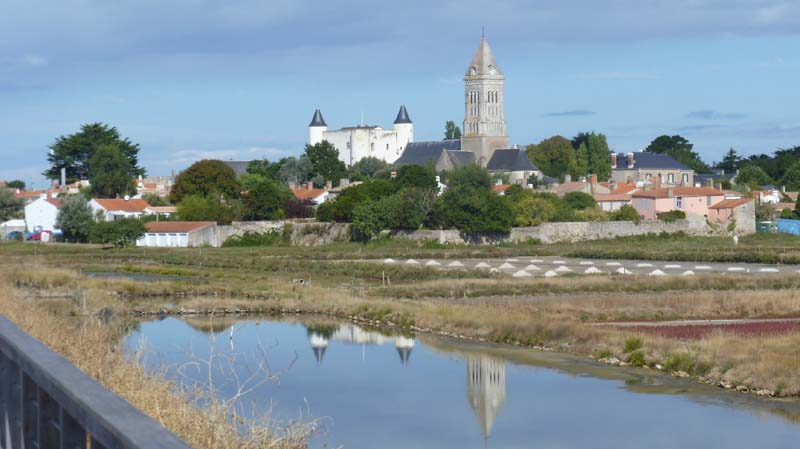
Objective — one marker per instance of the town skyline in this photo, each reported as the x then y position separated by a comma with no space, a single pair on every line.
249,95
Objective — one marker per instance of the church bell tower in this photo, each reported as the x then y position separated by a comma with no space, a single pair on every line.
484,98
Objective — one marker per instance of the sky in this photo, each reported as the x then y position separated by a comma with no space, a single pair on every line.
192,79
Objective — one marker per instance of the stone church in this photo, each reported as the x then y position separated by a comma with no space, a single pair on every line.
484,126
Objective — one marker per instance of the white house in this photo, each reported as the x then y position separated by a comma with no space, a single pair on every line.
41,214
357,142
116,209
180,234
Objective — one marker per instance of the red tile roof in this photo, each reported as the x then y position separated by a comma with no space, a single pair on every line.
499,188
132,205
679,191
176,226
308,194
55,202
611,197
731,204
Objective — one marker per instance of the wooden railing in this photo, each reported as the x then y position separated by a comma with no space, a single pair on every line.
46,402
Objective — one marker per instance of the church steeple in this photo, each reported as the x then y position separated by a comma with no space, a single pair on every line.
483,63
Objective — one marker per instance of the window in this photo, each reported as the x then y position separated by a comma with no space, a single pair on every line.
685,178
648,176
671,178
678,203
708,201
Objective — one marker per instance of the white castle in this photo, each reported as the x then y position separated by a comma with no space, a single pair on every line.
357,142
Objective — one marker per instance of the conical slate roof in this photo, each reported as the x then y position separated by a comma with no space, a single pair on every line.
483,62
317,120
402,116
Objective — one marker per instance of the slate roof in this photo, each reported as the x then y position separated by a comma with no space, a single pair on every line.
317,120
240,167
420,153
158,227
460,158
402,116
645,160
508,160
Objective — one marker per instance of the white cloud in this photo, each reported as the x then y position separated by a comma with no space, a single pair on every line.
189,156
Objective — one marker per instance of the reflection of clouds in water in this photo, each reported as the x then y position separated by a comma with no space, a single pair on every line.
486,388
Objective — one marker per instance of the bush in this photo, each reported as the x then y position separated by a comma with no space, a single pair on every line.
671,216
679,362
636,359
592,214
155,200
256,239
788,214
75,219
325,211
625,213
208,208
295,208
120,233
632,344
579,200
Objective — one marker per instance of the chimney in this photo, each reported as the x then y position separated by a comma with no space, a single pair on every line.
613,160
719,186
783,189
309,185
63,176
709,183
567,178
630,160
612,185
593,179
328,185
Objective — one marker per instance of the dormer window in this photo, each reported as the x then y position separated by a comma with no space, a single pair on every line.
473,70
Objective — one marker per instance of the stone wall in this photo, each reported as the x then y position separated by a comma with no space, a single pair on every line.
302,233
745,216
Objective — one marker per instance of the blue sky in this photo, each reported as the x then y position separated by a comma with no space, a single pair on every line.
240,79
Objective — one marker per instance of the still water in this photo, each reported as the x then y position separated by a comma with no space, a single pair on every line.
373,389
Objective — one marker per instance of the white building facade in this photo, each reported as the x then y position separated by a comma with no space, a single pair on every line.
357,142
41,214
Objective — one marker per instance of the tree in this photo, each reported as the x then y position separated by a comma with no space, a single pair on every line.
678,148
599,159
554,156
532,209
752,176
297,170
208,208
469,176
204,178
75,219
469,206
155,200
416,176
451,131
266,168
73,152
325,162
10,206
110,173
579,201
265,199
369,167
581,166
120,233
16,184
730,162
791,179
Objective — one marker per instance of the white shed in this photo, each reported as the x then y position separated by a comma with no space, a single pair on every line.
179,234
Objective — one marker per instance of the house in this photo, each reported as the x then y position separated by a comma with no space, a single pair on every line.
180,234
515,163
643,166
590,186
309,193
161,211
610,202
739,212
691,200
444,154
117,209
500,188
42,213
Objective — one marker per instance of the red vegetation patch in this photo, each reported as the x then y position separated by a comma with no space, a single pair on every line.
698,331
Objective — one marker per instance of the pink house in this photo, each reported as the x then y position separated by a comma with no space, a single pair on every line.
723,211
691,200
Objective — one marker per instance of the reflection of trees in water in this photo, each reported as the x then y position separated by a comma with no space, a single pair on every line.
486,388
211,324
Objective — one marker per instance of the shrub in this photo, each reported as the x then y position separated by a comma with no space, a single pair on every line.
636,359
671,216
579,200
625,213
256,239
75,219
679,362
325,211
632,344
787,214
204,177
591,214
295,208
120,233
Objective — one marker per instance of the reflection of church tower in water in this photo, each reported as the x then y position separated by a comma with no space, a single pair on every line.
486,389
319,343
404,346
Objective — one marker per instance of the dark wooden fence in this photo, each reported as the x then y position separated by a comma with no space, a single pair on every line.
46,402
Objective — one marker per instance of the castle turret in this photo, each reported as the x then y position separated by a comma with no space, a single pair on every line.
319,343
404,128
317,128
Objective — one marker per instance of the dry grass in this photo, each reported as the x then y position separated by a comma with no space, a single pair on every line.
95,348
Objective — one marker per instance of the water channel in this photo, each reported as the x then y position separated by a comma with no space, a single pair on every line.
373,389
